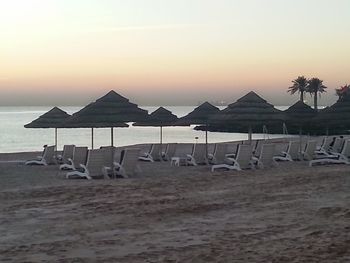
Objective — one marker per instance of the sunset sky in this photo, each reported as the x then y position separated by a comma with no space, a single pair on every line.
161,52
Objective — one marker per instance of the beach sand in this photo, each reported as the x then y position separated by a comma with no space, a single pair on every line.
290,213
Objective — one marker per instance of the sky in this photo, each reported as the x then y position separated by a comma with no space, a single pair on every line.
169,52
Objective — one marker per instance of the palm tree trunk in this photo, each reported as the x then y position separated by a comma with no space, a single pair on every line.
315,101
302,96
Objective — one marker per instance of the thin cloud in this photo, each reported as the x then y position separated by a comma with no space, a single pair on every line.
144,28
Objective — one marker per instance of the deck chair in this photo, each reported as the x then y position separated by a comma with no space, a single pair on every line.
169,151
47,158
128,163
309,152
243,160
325,146
154,154
79,157
198,155
265,158
291,154
257,147
219,154
68,151
95,163
337,147
337,158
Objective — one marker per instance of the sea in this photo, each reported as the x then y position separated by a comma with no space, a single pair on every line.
15,138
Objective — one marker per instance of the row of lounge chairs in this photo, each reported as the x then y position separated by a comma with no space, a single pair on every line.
88,164
84,163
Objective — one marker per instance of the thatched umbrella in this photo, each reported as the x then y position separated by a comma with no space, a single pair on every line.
159,118
336,116
54,118
248,111
111,110
299,114
200,116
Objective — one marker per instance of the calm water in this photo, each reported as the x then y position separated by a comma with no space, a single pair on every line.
15,138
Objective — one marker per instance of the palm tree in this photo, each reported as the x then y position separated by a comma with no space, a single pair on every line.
315,86
299,85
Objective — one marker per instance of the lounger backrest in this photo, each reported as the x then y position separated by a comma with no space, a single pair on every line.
310,149
337,146
266,154
170,150
244,155
68,152
326,143
293,149
199,153
156,152
49,154
96,161
129,160
220,152
109,152
258,146
80,156
346,148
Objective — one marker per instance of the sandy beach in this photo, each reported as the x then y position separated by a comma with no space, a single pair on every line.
289,213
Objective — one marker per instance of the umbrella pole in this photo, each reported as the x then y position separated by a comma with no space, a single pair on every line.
112,151
206,140
56,144
92,138
250,134
161,142
56,138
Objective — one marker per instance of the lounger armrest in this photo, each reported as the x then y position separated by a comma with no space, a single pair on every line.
70,161
85,169
117,165
231,159
230,155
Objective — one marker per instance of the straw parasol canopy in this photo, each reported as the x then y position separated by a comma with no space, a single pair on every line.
249,111
336,117
159,118
54,118
111,110
200,116
299,114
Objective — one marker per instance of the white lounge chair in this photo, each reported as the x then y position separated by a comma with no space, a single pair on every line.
337,158
47,158
128,163
325,146
154,154
265,158
291,154
169,151
96,161
79,157
309,152
219,154
337,146
198,155
243,160
67,153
